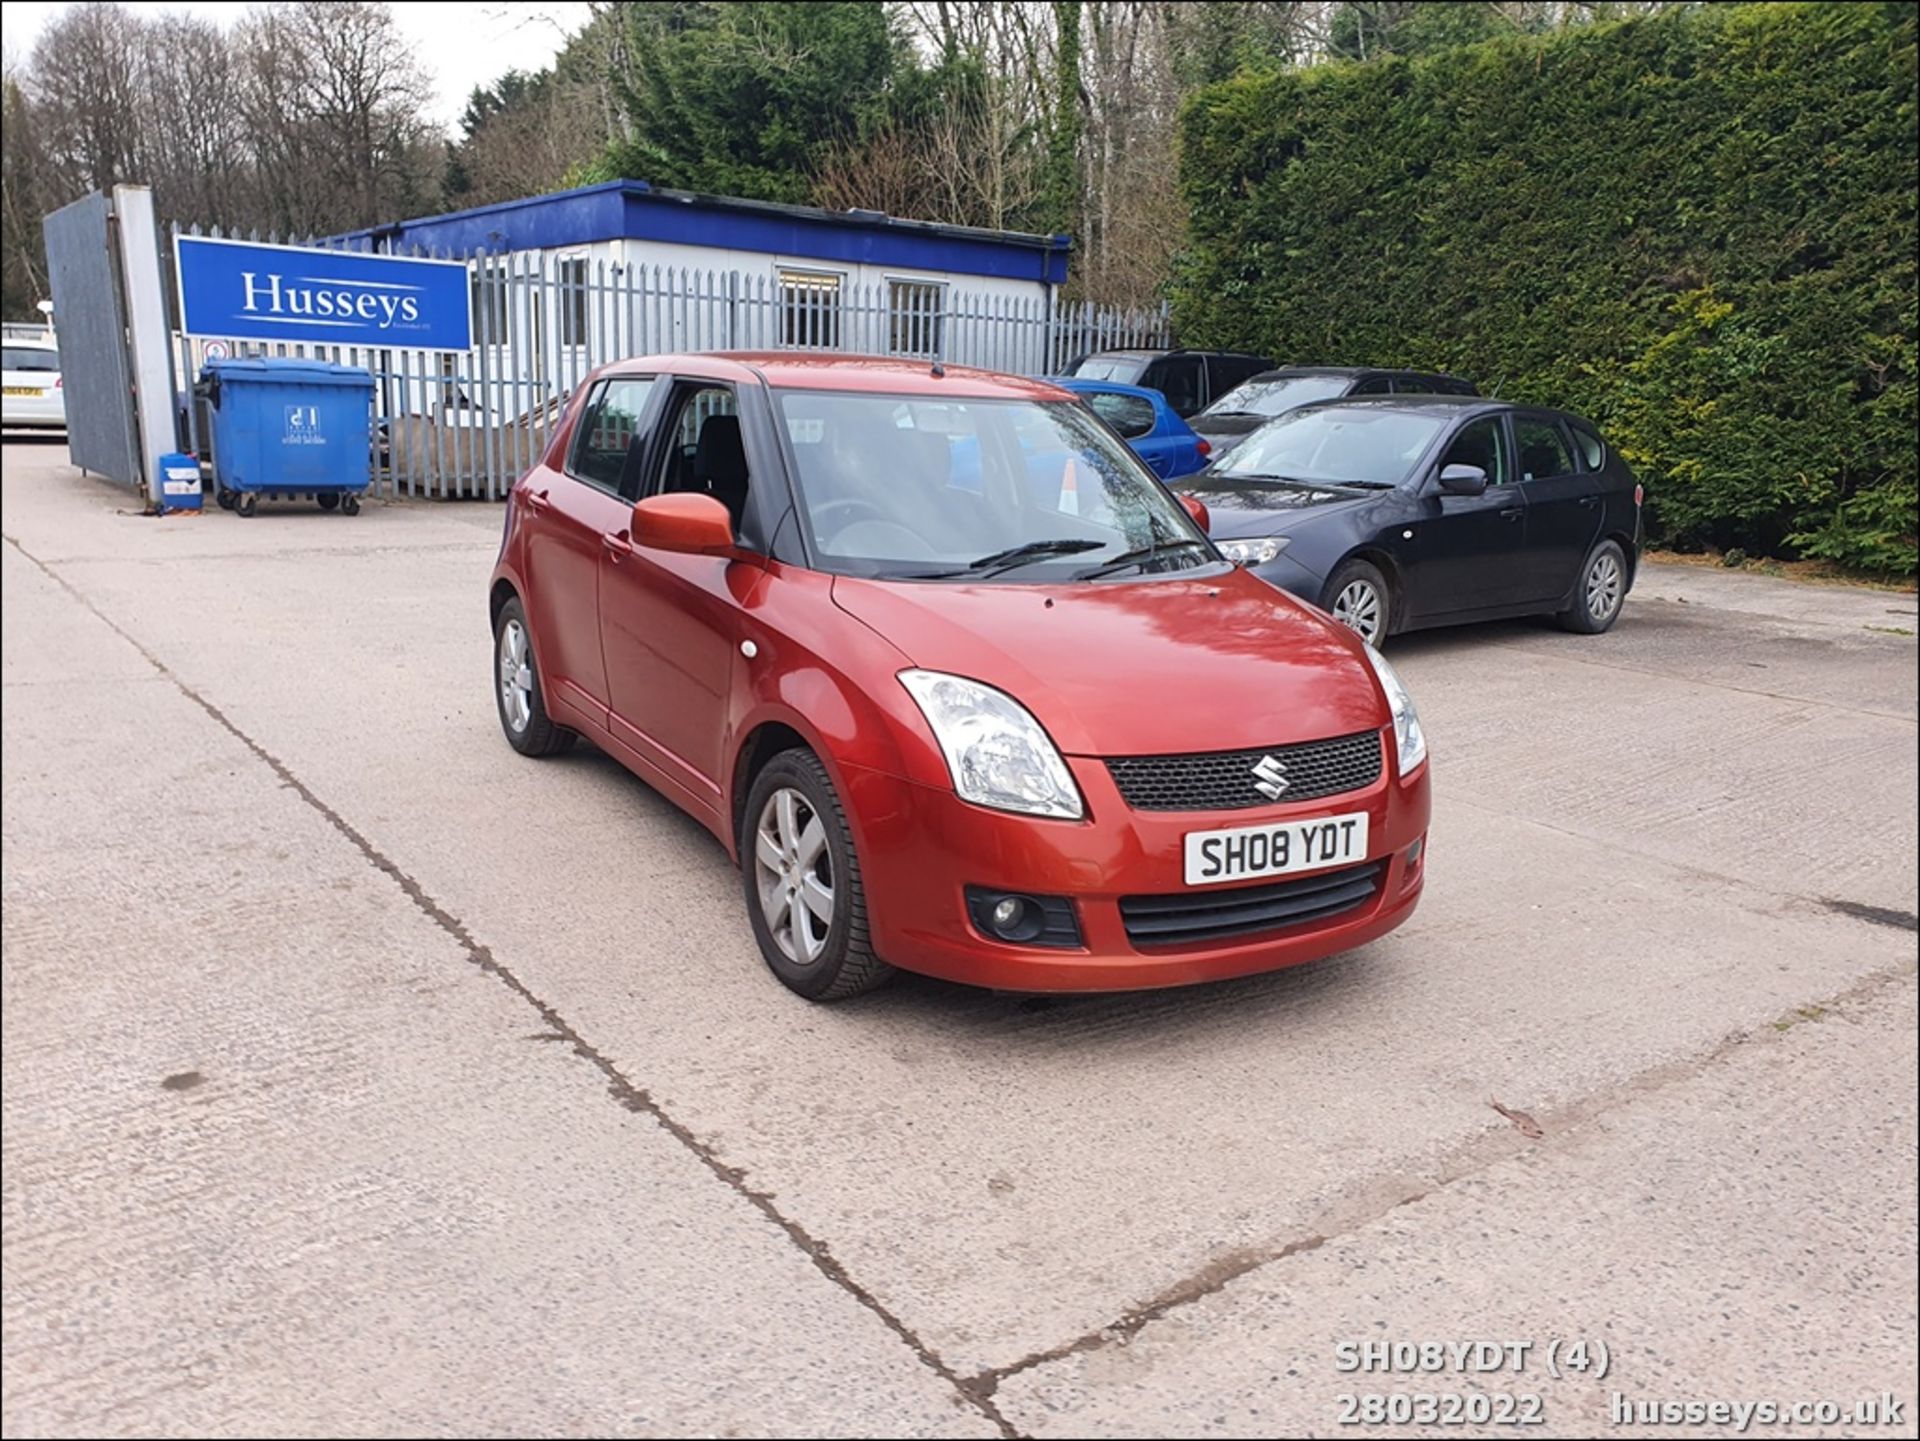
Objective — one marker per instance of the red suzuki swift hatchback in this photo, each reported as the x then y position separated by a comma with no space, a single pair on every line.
957,683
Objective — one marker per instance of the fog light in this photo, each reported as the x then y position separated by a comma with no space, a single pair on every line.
1414,853
1023,920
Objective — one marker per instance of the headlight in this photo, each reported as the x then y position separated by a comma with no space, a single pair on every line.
1410,741
1252,552
996,752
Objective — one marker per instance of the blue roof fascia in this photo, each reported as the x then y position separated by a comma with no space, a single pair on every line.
632,209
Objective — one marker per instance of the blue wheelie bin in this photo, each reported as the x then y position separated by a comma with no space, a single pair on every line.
289,429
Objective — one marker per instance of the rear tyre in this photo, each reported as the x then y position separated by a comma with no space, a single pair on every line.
517,692
224,498
329,500
805,898
245,504
1359,597
1600,593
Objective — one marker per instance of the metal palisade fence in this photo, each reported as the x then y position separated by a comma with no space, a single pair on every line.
468,425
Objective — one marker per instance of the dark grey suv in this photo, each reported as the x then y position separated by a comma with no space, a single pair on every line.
1188,378
1234,416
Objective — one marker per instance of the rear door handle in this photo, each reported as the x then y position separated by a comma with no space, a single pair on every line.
1513,513
1588,502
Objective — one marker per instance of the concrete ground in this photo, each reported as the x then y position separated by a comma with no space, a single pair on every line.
361,1076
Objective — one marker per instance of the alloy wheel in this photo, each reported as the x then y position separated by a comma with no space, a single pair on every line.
1603,586
794,870
1358,608
516,676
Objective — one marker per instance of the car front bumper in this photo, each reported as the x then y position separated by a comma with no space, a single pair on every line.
921,847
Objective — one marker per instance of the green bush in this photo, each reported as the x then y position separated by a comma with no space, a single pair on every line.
1696,227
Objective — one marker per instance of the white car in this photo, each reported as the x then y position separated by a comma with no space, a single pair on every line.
32,386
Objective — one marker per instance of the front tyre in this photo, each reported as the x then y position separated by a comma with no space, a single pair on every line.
801,877
517,692
1359,597
1601,591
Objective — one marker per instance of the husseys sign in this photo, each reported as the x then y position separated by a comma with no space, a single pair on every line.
234,290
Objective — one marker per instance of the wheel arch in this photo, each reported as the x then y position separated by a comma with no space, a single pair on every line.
1382,560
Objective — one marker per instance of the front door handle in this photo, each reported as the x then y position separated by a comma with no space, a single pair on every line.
536,500
616,547
1588,502
1513,513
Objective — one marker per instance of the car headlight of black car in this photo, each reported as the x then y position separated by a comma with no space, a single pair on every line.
1252,550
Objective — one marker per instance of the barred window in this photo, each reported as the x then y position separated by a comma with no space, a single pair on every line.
573,301
810,308
914,312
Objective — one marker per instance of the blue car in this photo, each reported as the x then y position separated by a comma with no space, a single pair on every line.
1146,422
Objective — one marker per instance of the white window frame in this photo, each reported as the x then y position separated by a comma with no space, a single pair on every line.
937,318
811,320
564,298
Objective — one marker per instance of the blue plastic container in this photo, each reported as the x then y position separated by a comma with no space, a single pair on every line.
179,482
289,428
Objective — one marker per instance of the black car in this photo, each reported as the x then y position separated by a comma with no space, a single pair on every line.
1251,404
1188,378
1413,511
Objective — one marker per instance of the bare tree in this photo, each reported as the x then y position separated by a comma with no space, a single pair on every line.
85,88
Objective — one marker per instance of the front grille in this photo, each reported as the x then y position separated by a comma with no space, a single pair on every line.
1193,916
1224,780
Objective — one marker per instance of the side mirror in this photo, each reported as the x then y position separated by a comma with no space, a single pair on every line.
687,524
1196,508
1463,480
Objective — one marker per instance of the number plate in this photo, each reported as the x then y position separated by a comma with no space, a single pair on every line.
22,390
1279,849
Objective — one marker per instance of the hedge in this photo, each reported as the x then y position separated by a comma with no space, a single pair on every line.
1696,227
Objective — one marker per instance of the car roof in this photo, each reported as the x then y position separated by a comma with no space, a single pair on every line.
871,374
1078,383
1156,354
1353,370
1427,404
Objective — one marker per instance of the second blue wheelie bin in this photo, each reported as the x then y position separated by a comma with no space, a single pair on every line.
289,429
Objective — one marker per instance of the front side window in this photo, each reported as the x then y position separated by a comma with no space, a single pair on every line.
1543,448
1482,443
609,430
906,487
810,309
1178,378
1337,445
1277,396
1131,415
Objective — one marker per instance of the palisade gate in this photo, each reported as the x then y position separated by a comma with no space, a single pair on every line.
469,424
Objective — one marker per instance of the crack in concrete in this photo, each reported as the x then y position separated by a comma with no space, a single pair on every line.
1474,1156
1873,915
622,1090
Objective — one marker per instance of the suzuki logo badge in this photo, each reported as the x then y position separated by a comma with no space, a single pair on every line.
1270,778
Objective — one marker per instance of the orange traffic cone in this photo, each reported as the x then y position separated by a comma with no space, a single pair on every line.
1070,489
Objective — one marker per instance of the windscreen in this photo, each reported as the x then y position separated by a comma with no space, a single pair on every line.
1350,444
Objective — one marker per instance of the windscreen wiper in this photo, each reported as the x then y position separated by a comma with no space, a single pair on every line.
1141,556
1013,555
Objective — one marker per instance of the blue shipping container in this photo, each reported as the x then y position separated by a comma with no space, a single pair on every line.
289,428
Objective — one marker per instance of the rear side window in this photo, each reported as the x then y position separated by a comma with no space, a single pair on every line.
1128,414
31,357
1543,448
1372,385
609,430
1592,449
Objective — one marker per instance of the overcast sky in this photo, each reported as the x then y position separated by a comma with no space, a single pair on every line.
459,45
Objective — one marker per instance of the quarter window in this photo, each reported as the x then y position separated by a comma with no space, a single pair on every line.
810,309
1593,450
611,428
1129,414
1543,449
